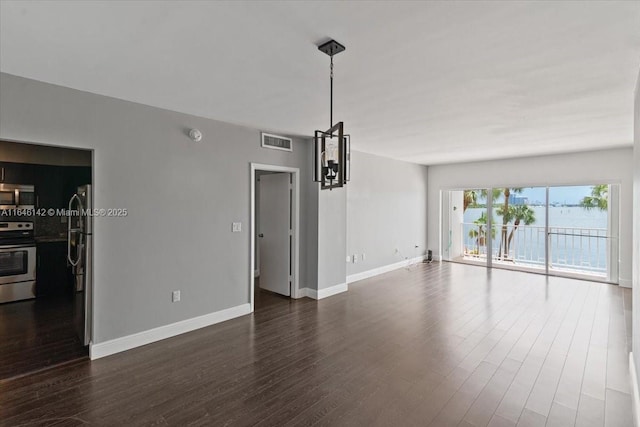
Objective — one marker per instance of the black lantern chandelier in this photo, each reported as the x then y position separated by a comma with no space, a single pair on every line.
332,147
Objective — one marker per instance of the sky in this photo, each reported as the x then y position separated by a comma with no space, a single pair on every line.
561,195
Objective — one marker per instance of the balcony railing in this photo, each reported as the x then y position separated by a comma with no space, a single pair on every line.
583,250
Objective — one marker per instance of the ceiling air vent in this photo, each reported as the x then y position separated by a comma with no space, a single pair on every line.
277,142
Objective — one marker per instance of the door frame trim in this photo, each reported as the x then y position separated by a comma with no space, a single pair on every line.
295,173
89,309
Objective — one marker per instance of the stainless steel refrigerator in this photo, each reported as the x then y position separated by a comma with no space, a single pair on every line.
80,257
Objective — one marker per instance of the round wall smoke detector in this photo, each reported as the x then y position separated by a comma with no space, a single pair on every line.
195,135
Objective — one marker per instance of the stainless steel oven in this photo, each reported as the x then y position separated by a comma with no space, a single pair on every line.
17,261
15,196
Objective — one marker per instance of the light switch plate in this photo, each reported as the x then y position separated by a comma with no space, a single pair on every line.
236,227
348,258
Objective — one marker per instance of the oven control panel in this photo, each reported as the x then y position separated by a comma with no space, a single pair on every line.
16,225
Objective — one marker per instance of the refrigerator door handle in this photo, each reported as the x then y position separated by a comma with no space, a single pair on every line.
69,230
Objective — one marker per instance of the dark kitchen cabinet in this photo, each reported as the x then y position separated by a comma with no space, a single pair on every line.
56,184
74,178
52,274
49,182
16,173
9,173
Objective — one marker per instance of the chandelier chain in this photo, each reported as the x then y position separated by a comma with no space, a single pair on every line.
331,96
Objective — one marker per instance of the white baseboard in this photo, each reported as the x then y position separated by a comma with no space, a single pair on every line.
625,283
384,269
635,398
305,292
300,293
332,290
128,342
309,293
325,292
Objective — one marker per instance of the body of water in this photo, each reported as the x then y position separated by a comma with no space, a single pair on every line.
578,241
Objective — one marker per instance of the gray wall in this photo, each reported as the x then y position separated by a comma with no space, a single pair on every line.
181,197
311,189
332,232
386,210
636,233
606,166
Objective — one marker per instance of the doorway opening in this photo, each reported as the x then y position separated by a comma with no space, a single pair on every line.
567,231
45,257
275,207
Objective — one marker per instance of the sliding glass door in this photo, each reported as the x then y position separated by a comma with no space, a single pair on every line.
560,230
464,225
583,230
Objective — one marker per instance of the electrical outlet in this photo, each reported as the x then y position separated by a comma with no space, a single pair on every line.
175,296
348,258
354,258
236,227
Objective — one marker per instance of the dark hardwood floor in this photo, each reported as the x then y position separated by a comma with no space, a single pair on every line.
439,344
36,334
263,299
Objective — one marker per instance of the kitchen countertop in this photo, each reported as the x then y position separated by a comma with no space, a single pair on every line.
50,239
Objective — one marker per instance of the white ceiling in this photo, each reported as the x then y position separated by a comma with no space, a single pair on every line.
428,82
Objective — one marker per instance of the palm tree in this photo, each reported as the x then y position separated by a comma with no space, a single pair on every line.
507,215
520,213
470,198
475,234
480,233
599,198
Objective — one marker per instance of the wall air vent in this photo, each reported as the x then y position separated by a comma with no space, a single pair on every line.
277,142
